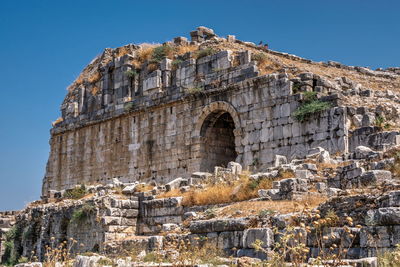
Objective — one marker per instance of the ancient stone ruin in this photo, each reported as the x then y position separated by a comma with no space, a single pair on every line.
217,144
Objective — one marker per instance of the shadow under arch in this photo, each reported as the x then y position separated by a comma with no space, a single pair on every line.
218,129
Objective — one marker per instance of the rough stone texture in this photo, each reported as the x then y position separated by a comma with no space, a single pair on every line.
146,129
265,235
7,221
218,225
91,222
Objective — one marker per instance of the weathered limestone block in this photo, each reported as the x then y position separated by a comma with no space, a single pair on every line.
303,174
176,183
218,225
293,184
363,152
392,199
235,167
163,211
153,81
265,235
384,216
375,236
108,220
273,194
87,261
279,160
228,240
185,74
180,40
371,177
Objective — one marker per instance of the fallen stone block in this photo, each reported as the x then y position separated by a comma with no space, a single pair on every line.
293,185
167,227
384,216
189,214
176,183
130,189
279,160
272,194
235,167
303,174
198,177
392,199
320,154
363,152
371,177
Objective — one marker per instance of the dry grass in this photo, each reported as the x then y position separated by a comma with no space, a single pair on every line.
57,121
95,90
94,77
80,79
286,174
282,206
122,51
143,188
183,49
224,192
152,67
145,52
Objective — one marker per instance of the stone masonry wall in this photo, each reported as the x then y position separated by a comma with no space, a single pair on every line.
168,140
90,222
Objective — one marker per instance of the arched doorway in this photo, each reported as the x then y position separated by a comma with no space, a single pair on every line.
218,140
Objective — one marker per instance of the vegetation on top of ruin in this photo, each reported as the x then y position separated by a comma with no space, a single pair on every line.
269,62
76,193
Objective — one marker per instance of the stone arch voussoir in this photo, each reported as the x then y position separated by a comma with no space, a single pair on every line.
213,107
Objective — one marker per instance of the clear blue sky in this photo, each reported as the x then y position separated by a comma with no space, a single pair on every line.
45,43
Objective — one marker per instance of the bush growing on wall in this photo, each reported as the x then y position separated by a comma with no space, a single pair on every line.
310,106
81,214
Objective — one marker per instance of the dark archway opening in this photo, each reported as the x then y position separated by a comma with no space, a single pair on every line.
218,144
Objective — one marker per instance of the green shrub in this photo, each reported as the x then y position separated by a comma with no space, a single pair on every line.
265,213
131,73
379,121
83,213
161,52
152,257
194,90
204,52
9,255
128,106
27,233
310,106
296,87
176,63
23,260
12,233
310,96
76,193
259,57
105,262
